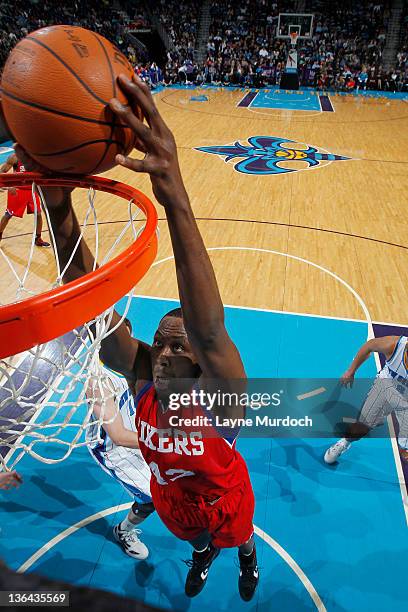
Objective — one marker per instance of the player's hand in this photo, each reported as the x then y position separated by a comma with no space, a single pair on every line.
155,140
347,379
10,480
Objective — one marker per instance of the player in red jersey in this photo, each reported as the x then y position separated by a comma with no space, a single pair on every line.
200,484
19,200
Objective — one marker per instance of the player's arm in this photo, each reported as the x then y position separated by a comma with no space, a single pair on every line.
385,345
203,312
112,423
6,167
119,351
9,163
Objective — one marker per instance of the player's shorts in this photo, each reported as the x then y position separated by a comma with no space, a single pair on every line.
385,397
18,203
127,466
228,519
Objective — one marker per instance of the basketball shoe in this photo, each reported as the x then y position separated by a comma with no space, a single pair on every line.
129,541
199,566
40,242
248,575
336,450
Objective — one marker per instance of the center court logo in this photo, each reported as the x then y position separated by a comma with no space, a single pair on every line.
266,154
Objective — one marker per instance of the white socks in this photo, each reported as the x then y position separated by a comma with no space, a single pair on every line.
126,525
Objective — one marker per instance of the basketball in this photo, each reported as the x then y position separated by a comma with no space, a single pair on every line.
56,86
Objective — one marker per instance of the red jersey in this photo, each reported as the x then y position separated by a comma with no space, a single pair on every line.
189,459
19,167
21,201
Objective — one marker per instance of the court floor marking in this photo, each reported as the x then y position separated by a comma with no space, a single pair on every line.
285,556
285,108
319,150
370,334
279,116
296,258
274,311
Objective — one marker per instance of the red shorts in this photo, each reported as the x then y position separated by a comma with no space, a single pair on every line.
187,515
20,202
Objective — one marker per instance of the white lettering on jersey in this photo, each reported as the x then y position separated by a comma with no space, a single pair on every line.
181,443
165,441
172,472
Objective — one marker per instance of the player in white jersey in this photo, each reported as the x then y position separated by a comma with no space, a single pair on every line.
114,446
389,394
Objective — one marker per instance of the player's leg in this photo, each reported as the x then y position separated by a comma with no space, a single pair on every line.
248,566
402,419
188,522
39,227
232,525
204,554
4,222
127,532
38,230
15,208
400,406
128,467
373,412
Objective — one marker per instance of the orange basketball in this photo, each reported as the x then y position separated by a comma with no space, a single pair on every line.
55,89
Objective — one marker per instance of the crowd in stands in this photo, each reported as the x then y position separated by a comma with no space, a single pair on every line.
402,55
344,51
18,17
180,18
347,46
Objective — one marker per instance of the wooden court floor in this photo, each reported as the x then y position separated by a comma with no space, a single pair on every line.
302,241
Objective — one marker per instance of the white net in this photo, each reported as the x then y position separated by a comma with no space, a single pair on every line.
47,393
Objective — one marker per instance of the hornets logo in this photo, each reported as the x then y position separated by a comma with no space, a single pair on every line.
266,154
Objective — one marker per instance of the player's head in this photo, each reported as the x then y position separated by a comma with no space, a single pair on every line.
172,355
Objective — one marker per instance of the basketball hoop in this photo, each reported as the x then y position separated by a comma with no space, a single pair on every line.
39,319
50,339
293,38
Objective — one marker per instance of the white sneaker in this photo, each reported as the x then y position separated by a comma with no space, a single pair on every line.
333,453
131,543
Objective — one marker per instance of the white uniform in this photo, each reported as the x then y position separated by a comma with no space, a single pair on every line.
126,465
389,393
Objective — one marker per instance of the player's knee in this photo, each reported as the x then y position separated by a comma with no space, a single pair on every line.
142,510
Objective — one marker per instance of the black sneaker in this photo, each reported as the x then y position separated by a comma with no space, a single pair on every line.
248,575
41,243
199,566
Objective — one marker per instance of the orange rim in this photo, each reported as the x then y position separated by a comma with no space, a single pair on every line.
51,314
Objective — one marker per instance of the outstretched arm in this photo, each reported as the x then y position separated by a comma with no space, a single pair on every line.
203,312
384,345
